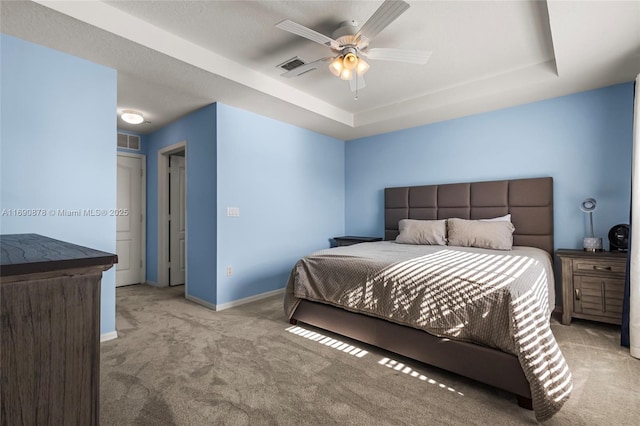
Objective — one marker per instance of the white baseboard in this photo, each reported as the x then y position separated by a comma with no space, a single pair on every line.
200,302
233,303
105,337
249,299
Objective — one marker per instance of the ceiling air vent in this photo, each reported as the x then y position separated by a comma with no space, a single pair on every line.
128,141
291,64
123,140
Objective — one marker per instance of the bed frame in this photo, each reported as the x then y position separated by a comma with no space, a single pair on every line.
530,203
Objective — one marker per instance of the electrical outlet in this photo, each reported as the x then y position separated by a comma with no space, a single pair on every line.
229,271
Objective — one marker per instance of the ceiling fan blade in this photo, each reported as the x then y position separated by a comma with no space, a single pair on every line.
388,12
307,33
357,82
398,55
303,69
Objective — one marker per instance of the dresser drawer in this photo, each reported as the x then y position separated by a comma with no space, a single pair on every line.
599,266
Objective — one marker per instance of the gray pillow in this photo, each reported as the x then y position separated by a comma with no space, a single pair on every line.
427,232
497,235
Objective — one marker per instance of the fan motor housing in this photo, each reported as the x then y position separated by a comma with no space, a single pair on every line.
345,32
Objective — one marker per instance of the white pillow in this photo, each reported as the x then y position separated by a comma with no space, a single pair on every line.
426,232
505,218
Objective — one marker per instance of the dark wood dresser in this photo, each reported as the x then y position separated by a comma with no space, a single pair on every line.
49,331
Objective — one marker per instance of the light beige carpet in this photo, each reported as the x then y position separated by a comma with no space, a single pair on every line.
177,363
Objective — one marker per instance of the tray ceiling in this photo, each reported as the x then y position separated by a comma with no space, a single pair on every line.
173,57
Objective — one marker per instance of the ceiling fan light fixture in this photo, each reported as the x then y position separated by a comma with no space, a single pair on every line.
336,66
346,74
346,66
349,44
131,116
362,67
350,61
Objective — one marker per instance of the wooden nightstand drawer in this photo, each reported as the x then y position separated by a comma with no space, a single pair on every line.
599,266
598,296
592,285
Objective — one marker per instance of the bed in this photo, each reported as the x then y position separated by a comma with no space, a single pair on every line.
496,331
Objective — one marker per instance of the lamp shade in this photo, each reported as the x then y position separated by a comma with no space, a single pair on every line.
350,61
362,67
588,205
336,66
346,74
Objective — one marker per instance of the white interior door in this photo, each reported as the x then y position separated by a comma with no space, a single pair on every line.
129,226
177,219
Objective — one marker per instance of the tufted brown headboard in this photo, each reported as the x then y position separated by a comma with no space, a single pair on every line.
530,202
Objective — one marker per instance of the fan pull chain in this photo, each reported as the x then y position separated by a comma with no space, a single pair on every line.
356,97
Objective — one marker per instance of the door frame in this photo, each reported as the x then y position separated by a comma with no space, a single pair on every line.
177,191
143,210
163,217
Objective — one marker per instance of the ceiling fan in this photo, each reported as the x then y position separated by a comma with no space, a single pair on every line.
350,46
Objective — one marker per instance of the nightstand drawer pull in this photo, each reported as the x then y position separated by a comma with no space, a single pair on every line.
608,266
577,294
601,268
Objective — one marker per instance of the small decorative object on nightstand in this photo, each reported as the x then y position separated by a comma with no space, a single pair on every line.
351,240
619,238
592,285
590,243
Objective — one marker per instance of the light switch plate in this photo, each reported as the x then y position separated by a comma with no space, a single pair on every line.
233,211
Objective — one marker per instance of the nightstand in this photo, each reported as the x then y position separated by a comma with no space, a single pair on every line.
351,240
592,285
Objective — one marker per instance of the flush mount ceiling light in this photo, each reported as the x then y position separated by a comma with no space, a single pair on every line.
132,117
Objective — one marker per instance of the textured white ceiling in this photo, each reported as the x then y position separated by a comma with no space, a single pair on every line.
176,56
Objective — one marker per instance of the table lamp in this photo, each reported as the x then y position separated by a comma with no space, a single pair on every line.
590,243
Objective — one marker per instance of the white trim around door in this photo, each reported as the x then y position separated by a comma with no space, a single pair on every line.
163,215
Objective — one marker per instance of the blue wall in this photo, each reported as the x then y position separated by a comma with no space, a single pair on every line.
584,141
58,150
295,188
287,181
198,129
289,185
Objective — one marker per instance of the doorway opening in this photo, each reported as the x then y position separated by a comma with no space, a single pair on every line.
172,215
